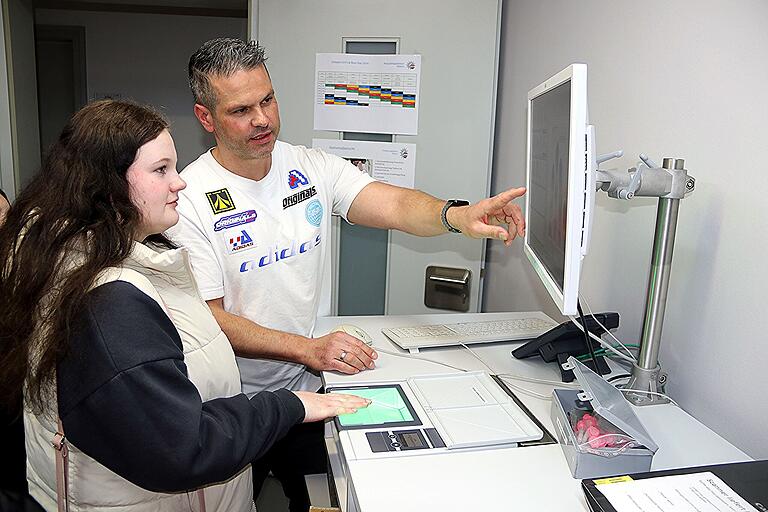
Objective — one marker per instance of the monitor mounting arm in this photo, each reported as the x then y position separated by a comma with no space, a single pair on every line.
670,183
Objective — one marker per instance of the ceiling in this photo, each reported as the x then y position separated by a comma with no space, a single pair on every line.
194,4
233,7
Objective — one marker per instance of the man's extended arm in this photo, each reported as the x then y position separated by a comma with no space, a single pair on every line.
385,206
250,339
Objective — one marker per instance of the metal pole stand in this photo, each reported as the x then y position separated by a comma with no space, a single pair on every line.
670,183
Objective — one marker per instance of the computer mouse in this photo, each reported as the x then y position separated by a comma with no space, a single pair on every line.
356,332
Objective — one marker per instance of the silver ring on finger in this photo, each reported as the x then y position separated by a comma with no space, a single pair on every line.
343,355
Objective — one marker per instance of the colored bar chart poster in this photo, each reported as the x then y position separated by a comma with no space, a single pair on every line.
388,162
367,93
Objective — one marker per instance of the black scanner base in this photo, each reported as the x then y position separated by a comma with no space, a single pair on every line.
567,340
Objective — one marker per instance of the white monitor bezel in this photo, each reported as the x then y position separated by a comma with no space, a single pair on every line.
578,209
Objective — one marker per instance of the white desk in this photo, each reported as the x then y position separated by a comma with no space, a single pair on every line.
534,478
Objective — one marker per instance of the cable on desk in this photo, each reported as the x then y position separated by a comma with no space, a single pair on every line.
599,352
627,365
519,388
542,381
518,377
542,396
609,333
505,376
629,390
420,358
603,342
502,376
523,390
586,333
478,358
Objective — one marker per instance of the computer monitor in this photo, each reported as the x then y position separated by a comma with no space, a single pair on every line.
560,176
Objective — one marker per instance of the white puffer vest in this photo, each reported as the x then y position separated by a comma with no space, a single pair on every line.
167,278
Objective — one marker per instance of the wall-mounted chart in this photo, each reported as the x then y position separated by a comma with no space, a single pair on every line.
368,89
367,93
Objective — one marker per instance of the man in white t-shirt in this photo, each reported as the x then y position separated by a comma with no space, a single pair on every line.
256,218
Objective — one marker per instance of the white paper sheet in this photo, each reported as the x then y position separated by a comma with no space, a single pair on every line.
389,162
367,93
695,492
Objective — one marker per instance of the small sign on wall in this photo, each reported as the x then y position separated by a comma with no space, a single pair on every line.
388,162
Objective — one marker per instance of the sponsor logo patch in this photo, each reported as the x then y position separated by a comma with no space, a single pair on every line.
296,179
277,253
220,201
314,213
236,219
299,197
240,242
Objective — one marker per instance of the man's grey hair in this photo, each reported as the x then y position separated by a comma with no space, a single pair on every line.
221,57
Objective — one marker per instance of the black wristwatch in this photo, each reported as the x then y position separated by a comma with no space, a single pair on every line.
444,214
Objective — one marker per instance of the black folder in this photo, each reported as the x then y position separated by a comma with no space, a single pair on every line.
748,479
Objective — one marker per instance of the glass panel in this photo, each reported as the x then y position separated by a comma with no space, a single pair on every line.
363,251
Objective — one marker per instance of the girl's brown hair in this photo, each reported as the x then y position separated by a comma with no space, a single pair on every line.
75,219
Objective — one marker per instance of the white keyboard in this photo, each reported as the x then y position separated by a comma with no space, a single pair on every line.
522,326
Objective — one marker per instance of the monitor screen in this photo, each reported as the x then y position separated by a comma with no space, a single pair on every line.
550,131
560,181
388,407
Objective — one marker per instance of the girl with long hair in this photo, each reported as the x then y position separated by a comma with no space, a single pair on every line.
102,326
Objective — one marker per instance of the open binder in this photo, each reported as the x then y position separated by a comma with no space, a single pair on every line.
748,479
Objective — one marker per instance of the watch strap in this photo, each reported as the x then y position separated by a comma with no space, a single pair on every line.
444,213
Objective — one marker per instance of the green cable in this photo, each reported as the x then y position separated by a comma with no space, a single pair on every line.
602,351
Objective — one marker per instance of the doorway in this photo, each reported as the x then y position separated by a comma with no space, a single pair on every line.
61,78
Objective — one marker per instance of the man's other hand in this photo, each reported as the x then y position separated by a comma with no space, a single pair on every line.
339,351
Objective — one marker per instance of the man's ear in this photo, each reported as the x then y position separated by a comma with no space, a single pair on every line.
204,116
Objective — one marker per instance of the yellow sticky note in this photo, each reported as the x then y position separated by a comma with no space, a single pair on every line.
613,480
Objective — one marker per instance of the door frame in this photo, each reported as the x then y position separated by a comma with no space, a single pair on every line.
7,174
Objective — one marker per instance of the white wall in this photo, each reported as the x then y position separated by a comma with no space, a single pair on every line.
144,57
684,79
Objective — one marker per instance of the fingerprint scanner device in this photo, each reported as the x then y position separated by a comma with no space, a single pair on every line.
388,407
469,409
427,414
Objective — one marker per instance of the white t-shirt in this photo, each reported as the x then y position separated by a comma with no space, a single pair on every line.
261,245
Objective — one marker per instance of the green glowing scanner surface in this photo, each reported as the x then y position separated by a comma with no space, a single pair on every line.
387,406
